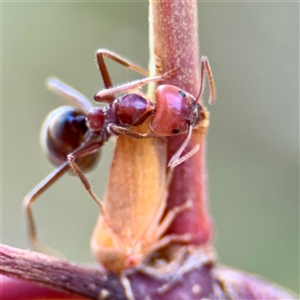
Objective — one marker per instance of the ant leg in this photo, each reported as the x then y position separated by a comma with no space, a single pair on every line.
86,150
69,94
104,72
206,70
32,197
130,86
169,239
156,233
116,130
118,59
170,216
176,159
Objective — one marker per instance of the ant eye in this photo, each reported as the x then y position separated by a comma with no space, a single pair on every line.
176,130
182,94
188,100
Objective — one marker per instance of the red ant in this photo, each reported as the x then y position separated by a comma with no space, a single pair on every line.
80,130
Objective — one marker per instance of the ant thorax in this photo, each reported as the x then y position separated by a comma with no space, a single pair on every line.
132,109
129,110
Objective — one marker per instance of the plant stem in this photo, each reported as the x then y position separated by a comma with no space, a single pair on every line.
174,44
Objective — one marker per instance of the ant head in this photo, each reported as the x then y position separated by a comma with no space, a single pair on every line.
176,111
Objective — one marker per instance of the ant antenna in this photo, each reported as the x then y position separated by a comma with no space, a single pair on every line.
206,70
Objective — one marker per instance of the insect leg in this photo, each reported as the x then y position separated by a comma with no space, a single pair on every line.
118,59
115,129
170,216
86,150
32,197
104,72
169,239
136,84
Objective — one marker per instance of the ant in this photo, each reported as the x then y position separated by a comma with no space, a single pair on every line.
78,132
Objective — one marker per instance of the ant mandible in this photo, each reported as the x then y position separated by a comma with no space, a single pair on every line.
78,132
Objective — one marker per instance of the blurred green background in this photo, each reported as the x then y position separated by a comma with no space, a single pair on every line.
253,139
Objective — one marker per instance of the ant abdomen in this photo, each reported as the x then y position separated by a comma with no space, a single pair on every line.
175,111
64,131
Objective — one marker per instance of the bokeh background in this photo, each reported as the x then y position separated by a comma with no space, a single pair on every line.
253,140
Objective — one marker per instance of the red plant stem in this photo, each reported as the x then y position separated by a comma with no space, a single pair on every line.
57,274
174,44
